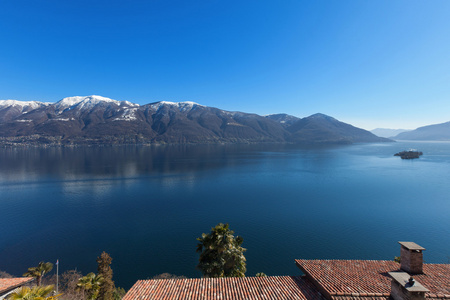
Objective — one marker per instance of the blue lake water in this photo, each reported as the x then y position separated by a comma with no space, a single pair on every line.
146,205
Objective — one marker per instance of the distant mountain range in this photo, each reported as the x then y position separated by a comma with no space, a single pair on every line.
100,120
388,133
436,132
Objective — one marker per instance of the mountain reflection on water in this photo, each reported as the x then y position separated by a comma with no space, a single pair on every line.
28,164
147,205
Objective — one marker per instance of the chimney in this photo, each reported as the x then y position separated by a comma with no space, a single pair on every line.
411,258
405,287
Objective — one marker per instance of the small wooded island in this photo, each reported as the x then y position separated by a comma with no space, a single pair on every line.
410,154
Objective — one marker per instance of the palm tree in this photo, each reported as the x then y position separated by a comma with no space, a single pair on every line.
35,293
221,254
90,285
39,271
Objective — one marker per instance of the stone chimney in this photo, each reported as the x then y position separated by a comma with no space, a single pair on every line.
405,287
411,257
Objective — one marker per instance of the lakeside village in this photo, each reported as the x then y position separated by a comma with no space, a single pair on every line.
222,264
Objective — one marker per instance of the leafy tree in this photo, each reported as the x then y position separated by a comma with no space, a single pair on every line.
104,270
221,254
119,293
397,259
39,271
261,274
35,293
90,285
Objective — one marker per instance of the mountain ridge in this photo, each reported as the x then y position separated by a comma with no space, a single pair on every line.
100,120
433,132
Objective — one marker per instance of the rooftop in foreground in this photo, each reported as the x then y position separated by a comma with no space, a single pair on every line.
9,284
370,279
323,280
272,287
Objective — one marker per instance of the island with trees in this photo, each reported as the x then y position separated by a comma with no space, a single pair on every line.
410,154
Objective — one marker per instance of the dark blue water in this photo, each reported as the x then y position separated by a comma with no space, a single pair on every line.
146,205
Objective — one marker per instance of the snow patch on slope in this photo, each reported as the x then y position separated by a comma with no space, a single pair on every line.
61,119
182,106
128,114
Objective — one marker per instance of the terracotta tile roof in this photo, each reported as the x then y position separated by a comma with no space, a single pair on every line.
360,298
7,284
357,279
272,287
436,278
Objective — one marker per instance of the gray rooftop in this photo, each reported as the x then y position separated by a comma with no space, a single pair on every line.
403,279
411,246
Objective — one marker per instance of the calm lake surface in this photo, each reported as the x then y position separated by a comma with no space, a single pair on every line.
147,205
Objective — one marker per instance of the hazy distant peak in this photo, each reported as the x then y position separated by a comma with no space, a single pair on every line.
434,132
391,129
387,132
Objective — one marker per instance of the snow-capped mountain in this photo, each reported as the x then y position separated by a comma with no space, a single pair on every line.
24,105
97,119
10,109
88,102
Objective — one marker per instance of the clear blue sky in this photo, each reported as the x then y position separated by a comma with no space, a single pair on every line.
371,63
